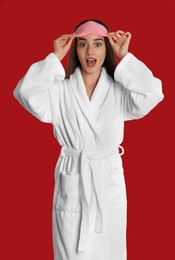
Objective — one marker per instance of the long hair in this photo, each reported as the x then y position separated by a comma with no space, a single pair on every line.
110,61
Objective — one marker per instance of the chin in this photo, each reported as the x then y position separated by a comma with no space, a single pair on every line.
92,70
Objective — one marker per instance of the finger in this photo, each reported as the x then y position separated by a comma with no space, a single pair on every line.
112,36
61,40
118,35
72,35
128,34
120,31
69,41
67,35
128,37
109,35
64,37
113,39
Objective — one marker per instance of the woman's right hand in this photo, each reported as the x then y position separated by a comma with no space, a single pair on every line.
62,45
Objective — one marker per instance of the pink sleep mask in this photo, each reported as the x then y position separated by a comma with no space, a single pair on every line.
91,27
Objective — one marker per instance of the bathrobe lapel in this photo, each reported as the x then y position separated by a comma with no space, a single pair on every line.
90,108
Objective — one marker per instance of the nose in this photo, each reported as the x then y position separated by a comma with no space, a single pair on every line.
90,50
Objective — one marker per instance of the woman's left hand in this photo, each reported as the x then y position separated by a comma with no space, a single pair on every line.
119,41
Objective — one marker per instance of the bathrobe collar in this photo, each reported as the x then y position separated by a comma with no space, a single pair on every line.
99,94
90,108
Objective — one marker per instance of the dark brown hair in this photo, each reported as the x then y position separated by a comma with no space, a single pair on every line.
110,62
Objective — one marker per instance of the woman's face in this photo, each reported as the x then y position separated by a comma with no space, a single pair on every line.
91,51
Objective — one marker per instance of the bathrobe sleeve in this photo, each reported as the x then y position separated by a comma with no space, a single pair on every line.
140,90
38,91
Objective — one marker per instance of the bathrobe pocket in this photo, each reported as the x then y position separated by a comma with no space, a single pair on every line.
68,215
116,188
68,197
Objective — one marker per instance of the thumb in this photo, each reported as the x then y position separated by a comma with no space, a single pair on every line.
110,39
128,36
70,39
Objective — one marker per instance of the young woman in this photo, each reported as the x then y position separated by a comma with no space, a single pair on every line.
88,106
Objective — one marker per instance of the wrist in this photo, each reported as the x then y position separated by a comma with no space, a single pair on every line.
121,56
58,55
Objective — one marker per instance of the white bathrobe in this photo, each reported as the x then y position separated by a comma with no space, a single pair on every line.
89,203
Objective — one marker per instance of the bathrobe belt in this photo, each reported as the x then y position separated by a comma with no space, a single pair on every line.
84,156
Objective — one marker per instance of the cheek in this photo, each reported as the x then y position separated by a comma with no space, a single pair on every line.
101,52
102,56
80,56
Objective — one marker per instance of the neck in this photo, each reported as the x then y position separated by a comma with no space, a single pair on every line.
91,79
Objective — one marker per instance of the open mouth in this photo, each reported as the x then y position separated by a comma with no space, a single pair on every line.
91,62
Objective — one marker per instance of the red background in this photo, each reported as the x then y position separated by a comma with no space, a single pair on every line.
29,151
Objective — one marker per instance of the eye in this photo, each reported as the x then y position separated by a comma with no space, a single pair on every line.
98,44
82,44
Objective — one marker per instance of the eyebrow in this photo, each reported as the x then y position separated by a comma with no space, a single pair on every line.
97,39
